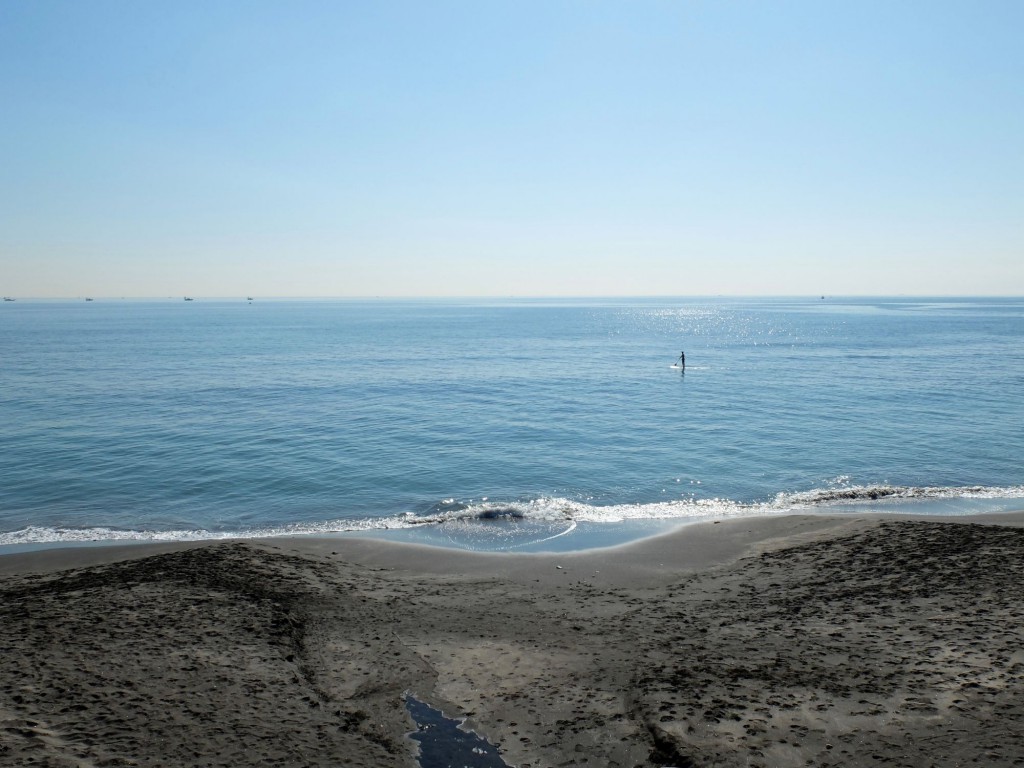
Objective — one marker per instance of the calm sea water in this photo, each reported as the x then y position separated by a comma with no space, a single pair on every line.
520,424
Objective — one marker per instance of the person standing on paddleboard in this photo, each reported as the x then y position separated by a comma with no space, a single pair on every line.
682,359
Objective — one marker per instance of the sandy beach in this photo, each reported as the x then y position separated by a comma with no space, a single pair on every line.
802,640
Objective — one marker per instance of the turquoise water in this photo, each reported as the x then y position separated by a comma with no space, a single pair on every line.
501,423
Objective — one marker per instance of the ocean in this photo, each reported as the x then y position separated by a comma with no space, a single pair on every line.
499,424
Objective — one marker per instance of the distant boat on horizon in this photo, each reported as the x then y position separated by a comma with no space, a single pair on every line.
8,298
188,298
87,298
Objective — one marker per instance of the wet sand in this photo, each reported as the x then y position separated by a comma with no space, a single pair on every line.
790,641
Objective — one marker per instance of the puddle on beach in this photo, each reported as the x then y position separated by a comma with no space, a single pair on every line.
443,744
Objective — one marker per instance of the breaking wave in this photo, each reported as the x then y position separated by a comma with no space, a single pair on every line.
877,492
563,515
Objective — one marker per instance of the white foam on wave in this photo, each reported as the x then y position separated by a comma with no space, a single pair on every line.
44,535
554,510
557,509
866,493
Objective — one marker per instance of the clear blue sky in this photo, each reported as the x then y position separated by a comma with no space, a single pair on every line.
511,148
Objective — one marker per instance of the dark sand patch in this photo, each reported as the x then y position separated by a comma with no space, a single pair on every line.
902,645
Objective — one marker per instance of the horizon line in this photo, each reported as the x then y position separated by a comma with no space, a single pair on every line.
477,297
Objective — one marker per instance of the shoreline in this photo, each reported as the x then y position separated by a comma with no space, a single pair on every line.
519,527
689,545
751,641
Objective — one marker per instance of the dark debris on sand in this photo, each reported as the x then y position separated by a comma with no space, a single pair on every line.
216,656
903,645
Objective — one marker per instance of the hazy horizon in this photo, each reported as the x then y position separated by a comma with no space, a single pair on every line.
532,149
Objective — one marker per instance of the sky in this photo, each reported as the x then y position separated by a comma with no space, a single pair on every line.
526,148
